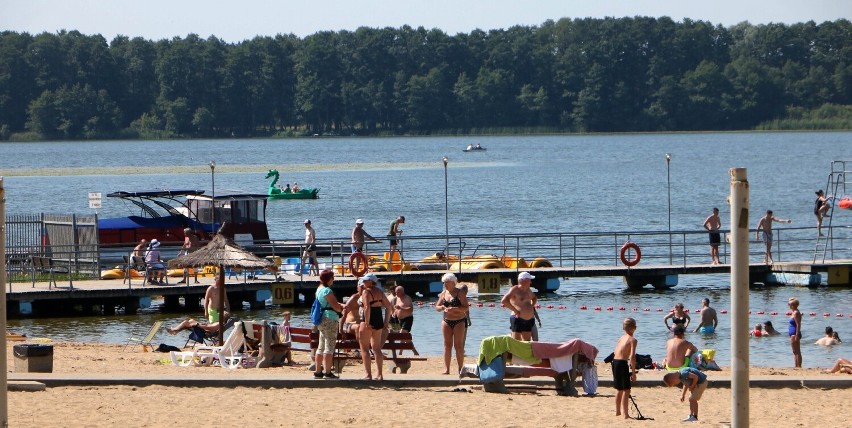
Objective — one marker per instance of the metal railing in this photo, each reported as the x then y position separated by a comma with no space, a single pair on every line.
564,250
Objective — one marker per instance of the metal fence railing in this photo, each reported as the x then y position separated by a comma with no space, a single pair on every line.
565,250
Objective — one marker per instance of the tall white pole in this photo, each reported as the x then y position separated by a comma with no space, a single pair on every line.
4,399
669,186
446,207
739,298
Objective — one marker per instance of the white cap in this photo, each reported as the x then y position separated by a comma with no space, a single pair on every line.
307,221
370,277
154,243
449,277
359,221
525,275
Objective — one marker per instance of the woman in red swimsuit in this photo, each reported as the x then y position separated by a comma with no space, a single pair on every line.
453,303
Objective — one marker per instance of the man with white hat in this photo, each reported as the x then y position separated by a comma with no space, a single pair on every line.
358,236
521,301
310,252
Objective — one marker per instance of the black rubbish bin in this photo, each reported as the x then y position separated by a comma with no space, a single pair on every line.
33,358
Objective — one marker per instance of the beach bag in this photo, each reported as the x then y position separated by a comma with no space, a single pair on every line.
316,312
644,362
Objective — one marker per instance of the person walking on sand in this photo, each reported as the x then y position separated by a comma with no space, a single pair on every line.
821,207
709,320
765,225
624,366
359,235
794,330
713,223
310,253
521,301
392,234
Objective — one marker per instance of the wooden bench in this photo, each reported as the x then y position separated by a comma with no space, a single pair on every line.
346,343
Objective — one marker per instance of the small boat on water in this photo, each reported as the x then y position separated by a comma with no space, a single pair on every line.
474,148
275,192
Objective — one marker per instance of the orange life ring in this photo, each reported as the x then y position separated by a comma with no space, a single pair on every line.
358,256
845,203
632,262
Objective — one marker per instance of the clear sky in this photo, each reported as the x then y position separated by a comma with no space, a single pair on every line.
236,20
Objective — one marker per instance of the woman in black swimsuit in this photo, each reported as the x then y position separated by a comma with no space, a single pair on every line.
678,316
453,303
375,324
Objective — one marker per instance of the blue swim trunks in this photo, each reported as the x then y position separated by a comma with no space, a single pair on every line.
707,329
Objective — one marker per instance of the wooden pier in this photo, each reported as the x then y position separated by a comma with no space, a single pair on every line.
88,297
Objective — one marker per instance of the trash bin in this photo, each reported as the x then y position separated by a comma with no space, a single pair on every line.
33,358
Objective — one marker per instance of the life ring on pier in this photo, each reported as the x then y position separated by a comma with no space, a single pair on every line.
634,261
362,261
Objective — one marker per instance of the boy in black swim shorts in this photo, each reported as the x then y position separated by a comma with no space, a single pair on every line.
623,366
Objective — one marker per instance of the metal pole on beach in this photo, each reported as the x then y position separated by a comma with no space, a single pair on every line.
4,403
446,207
213,196
669,186
739,298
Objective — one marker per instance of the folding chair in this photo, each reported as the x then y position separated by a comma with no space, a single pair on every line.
151,270
133,263
146,340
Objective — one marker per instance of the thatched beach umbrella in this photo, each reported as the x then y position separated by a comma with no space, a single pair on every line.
222,253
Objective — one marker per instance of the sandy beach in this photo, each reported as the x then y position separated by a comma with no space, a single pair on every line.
388,403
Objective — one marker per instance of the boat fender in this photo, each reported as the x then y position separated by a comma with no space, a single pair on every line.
363,263
634,261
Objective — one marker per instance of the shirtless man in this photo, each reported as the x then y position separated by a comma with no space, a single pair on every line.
709,321
190,244
139,249
403,310
211,311
310,253
678,350
358,236
831,338
713,224
521,301
350,320
765,224
392,234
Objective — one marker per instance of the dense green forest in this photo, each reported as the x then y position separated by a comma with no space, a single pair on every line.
580,75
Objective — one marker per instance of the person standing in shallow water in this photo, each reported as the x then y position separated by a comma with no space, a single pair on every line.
709,320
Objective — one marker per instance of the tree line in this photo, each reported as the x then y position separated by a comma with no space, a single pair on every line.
570,75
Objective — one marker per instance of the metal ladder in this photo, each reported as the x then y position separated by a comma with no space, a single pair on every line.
835,186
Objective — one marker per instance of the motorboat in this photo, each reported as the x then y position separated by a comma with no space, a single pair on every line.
275,192
474,148
166,213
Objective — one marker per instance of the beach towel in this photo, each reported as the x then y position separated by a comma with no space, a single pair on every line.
570,347
494,346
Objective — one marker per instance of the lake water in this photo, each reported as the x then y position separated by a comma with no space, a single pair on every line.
521,184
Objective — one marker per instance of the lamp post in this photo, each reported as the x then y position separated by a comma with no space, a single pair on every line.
446,206
669,186
213,196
